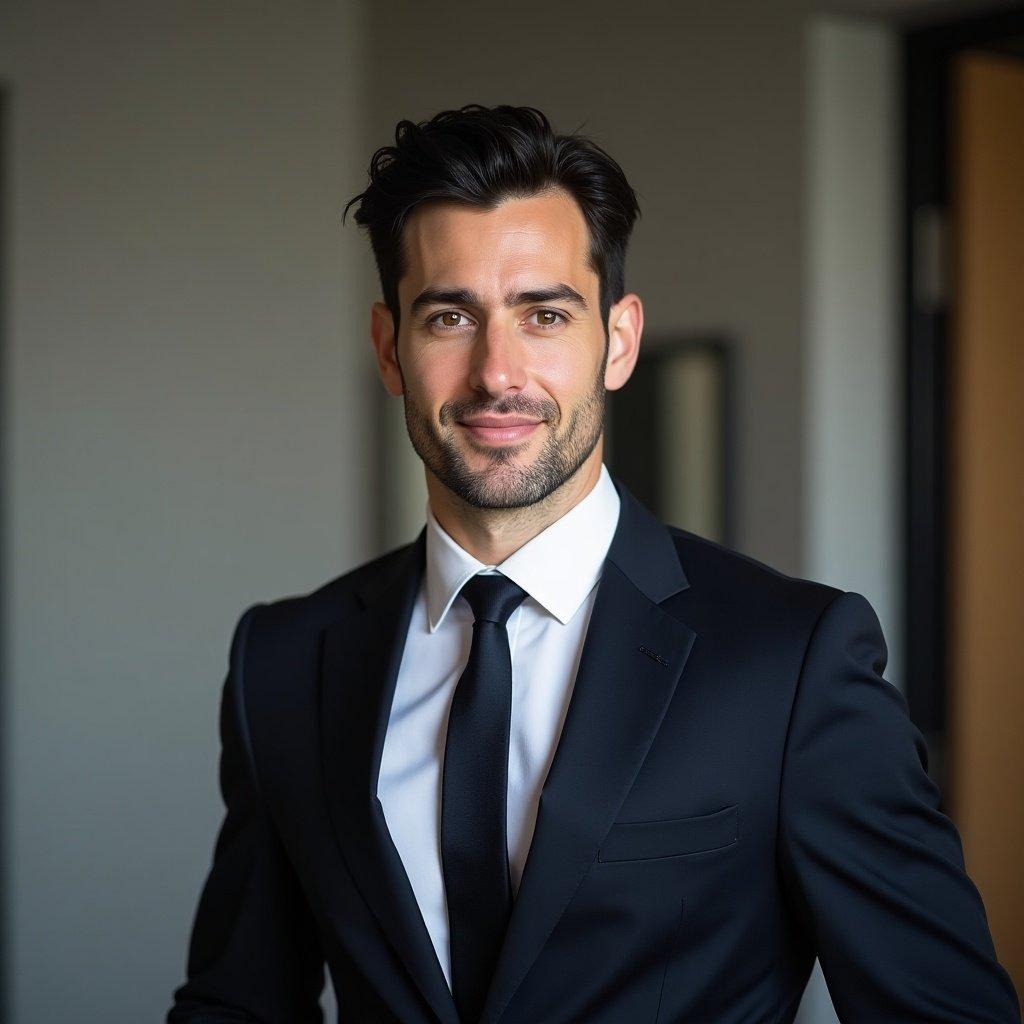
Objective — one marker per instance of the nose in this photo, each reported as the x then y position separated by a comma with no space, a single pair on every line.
498,361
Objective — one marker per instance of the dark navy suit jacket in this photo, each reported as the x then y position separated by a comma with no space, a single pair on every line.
736,791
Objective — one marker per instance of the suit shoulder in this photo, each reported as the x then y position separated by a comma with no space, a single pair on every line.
328,601
742,581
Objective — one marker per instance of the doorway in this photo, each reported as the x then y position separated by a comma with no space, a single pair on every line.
965,441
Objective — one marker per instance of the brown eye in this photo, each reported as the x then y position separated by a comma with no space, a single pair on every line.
448,320
549,318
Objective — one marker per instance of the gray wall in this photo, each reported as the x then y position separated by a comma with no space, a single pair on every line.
852,341
185,397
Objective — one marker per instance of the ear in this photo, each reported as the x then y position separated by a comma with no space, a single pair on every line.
385,344
625,326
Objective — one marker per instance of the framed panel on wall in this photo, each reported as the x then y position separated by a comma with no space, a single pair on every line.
669,433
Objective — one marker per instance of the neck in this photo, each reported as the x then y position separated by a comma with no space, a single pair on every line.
492,534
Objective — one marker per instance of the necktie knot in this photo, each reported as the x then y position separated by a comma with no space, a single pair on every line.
492,597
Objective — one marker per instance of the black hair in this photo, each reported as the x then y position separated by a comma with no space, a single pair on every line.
482,156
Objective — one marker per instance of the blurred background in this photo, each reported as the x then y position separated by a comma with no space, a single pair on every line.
831,257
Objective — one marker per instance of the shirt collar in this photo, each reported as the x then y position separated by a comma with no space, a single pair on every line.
557,568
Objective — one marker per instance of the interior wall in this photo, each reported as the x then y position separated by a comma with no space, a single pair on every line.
701,103
852,342
185,396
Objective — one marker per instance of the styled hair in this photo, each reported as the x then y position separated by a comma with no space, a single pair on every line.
483,156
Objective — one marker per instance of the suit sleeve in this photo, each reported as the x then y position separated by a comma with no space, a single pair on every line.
873,870
254,953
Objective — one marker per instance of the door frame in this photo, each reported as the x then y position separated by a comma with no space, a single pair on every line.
928,55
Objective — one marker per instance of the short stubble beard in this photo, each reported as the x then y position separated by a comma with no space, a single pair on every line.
509,485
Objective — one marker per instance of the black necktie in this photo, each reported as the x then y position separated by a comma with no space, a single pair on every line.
474,847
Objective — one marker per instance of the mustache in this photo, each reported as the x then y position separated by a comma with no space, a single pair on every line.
512,406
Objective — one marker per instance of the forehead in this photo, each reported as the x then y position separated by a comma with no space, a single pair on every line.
519,241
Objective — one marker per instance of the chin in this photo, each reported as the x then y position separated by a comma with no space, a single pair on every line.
499,459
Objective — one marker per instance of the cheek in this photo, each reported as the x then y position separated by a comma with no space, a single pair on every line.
438,379
433,381
566,370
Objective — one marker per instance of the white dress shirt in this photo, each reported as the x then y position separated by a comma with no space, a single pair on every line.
559,569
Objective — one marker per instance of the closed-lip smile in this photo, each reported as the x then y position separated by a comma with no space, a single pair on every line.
499,429
498,421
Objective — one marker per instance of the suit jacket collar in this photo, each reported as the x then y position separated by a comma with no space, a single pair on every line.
641,547
633,655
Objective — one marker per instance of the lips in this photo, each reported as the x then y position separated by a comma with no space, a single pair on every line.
500,431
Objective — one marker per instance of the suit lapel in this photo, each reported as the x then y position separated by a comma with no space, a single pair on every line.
632,659
361,658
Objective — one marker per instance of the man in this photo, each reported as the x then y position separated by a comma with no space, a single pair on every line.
554,761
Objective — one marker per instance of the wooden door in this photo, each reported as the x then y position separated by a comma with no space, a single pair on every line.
986,478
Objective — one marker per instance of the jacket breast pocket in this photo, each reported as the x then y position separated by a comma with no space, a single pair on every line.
671,837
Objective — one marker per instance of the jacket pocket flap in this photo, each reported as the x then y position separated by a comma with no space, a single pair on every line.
671,837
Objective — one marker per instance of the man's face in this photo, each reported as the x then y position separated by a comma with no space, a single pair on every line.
501,353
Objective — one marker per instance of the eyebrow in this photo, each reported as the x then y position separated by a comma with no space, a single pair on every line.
467,297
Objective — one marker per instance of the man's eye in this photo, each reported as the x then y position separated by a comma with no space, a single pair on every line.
546,315
443,320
